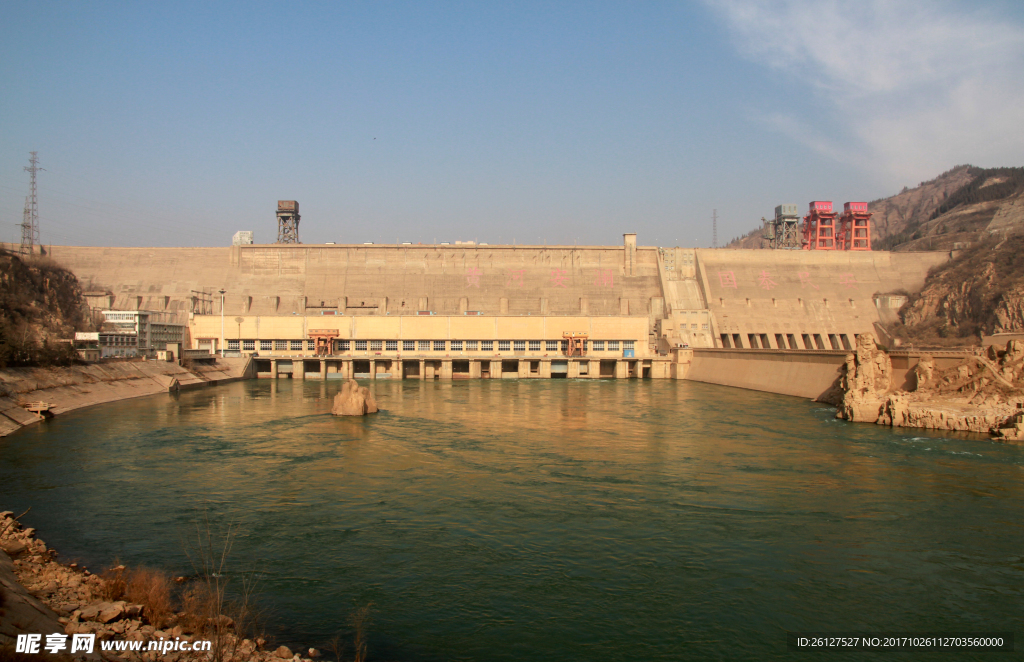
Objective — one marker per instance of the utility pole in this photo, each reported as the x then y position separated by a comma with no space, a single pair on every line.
222,324
714,228
30,219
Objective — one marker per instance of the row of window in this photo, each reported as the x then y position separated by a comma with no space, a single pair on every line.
426,345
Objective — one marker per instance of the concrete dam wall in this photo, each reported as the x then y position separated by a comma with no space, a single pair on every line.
807,307
289,279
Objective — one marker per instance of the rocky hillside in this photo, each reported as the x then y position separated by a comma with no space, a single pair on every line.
959,207
978,215
979,292
40,303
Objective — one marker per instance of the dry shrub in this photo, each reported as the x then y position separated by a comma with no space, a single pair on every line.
200,606
115,582
152,589
360,621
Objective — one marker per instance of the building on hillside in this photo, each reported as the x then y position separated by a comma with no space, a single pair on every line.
137,333
242,238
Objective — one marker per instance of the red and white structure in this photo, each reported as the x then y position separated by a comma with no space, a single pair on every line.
820,227
854,228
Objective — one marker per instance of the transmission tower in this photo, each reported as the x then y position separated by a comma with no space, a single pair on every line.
714,228
288,222
30,219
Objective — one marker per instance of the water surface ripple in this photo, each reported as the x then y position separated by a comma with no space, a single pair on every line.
545,520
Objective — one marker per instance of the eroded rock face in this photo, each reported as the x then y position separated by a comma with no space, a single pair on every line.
354,400
923,372
981,395
867,382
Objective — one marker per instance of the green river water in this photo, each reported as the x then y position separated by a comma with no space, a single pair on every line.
545,519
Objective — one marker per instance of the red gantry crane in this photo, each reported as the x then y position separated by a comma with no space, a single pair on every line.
854,227
820,227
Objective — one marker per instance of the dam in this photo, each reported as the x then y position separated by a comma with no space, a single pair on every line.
510,312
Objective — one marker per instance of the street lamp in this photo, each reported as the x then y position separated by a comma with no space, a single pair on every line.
222,323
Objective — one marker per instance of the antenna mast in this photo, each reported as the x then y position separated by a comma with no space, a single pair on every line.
30,219
714,228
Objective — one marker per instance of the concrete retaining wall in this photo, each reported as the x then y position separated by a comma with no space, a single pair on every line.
75,387
806,374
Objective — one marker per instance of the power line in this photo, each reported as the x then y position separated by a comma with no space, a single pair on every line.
30,219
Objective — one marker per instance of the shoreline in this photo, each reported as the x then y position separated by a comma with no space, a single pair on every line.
39,595
76,387
983,394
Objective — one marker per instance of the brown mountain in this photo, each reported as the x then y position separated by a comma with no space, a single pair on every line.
960,207
976,213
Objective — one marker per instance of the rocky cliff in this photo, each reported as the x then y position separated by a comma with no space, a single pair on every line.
979,292
40,303
983,394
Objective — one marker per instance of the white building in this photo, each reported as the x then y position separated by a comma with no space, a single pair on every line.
137,333
242,238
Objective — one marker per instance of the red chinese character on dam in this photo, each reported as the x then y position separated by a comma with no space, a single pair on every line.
605,278
558,278
473,277
727,279
805,279
765,280
515,277
848,280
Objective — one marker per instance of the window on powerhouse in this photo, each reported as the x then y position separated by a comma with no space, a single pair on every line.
376,345
248,345
534,345
504,345
296,345
391,345
438,345
597,345
424,345
341,345
408,345
232,345
456,345
486,345
471,345
360,345
519,345
551,345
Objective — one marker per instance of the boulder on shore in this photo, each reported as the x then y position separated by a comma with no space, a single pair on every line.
354,400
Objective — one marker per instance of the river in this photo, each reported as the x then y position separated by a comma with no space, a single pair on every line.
543,519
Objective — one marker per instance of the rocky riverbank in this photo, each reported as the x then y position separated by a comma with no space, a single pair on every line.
38,595
983,394
74,387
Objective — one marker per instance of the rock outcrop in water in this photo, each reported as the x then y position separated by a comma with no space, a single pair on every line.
866,383
982,394
354,400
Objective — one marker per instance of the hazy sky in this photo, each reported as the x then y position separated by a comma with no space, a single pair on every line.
179,123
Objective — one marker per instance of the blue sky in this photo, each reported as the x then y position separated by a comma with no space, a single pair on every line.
179,123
